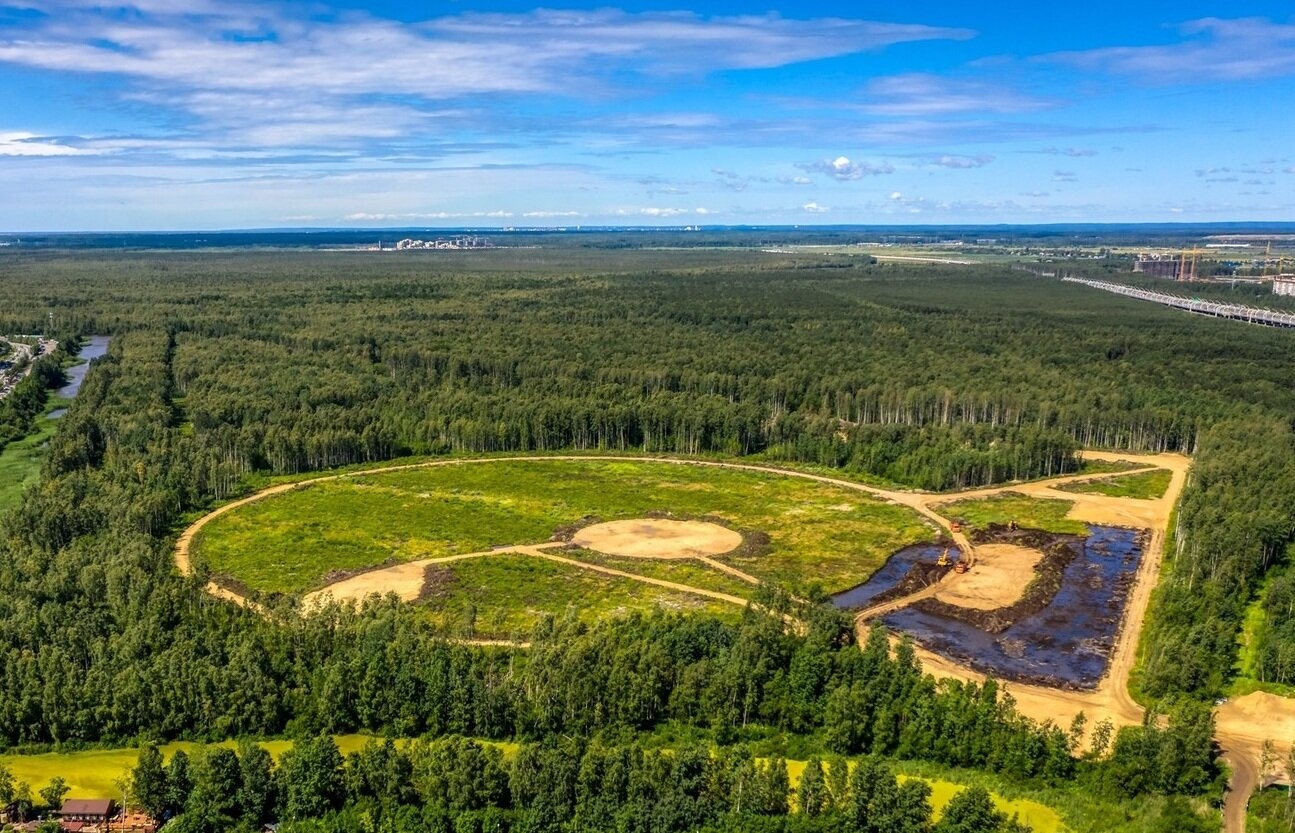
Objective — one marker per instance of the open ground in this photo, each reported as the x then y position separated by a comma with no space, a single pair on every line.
1239,733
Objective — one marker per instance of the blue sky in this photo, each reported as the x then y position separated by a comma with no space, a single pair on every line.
203,114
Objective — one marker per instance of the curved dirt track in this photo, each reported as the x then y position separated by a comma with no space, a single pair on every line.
1237,733
1242,784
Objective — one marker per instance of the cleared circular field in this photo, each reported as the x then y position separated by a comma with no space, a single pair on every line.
787,530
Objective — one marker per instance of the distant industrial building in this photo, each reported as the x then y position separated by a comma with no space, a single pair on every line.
1284,285
1172,268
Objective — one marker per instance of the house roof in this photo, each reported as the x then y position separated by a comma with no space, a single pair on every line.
86,807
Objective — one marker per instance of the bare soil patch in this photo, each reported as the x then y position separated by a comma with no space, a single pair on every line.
1027,592
405,580
658,538
999,578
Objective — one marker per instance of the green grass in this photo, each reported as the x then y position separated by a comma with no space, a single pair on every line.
288,543
93,773
1041,817
509,594
1065,808
20,461
1033,513
691,573
1254,624
1147,485
1266,812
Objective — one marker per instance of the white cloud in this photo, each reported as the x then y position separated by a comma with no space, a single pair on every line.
1212,49
367,217
29,144
653,211
1074,153
814,208
844,170
924,95
949,160
281,74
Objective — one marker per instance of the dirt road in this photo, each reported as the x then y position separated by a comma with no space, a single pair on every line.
1243,783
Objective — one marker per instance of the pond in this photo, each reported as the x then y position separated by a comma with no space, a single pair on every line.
1068,643
891,573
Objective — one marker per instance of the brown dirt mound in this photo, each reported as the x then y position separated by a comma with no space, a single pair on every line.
998,580
1058,552
658,538
920,576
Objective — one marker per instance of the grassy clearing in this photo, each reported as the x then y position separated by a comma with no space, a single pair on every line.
1039,816
93,773
505,596
21,460
1034,513
288,543
1147,485
691,573
1059,809
1254,625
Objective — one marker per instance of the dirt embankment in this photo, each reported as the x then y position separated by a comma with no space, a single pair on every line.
920,576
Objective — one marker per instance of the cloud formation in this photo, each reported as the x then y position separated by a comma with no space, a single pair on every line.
29,144
925,95
950,160
843,170
1212,48
267,76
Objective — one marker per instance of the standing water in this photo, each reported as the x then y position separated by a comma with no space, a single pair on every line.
1066,644
95,348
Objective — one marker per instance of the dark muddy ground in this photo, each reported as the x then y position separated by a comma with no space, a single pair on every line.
907,571
1066,643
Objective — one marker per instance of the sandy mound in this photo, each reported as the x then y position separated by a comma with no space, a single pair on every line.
405,580
648,538
1259,716
998,578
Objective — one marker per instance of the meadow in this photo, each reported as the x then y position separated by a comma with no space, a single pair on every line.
1145,485
1029,512
293,542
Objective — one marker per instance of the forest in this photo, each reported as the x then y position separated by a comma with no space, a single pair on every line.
229,367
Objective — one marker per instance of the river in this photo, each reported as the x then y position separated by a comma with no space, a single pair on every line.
96,347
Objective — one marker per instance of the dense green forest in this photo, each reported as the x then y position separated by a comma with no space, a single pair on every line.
228,365
18,410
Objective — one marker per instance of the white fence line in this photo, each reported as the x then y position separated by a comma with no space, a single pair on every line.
1218,309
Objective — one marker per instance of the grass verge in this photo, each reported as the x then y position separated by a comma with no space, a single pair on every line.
1146,485
1047,514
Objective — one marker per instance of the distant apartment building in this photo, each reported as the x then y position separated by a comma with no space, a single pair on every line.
1284,285
1166,267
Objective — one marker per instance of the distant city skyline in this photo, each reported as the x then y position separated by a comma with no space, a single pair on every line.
197,114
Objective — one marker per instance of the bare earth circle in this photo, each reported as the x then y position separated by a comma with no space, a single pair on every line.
650,538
